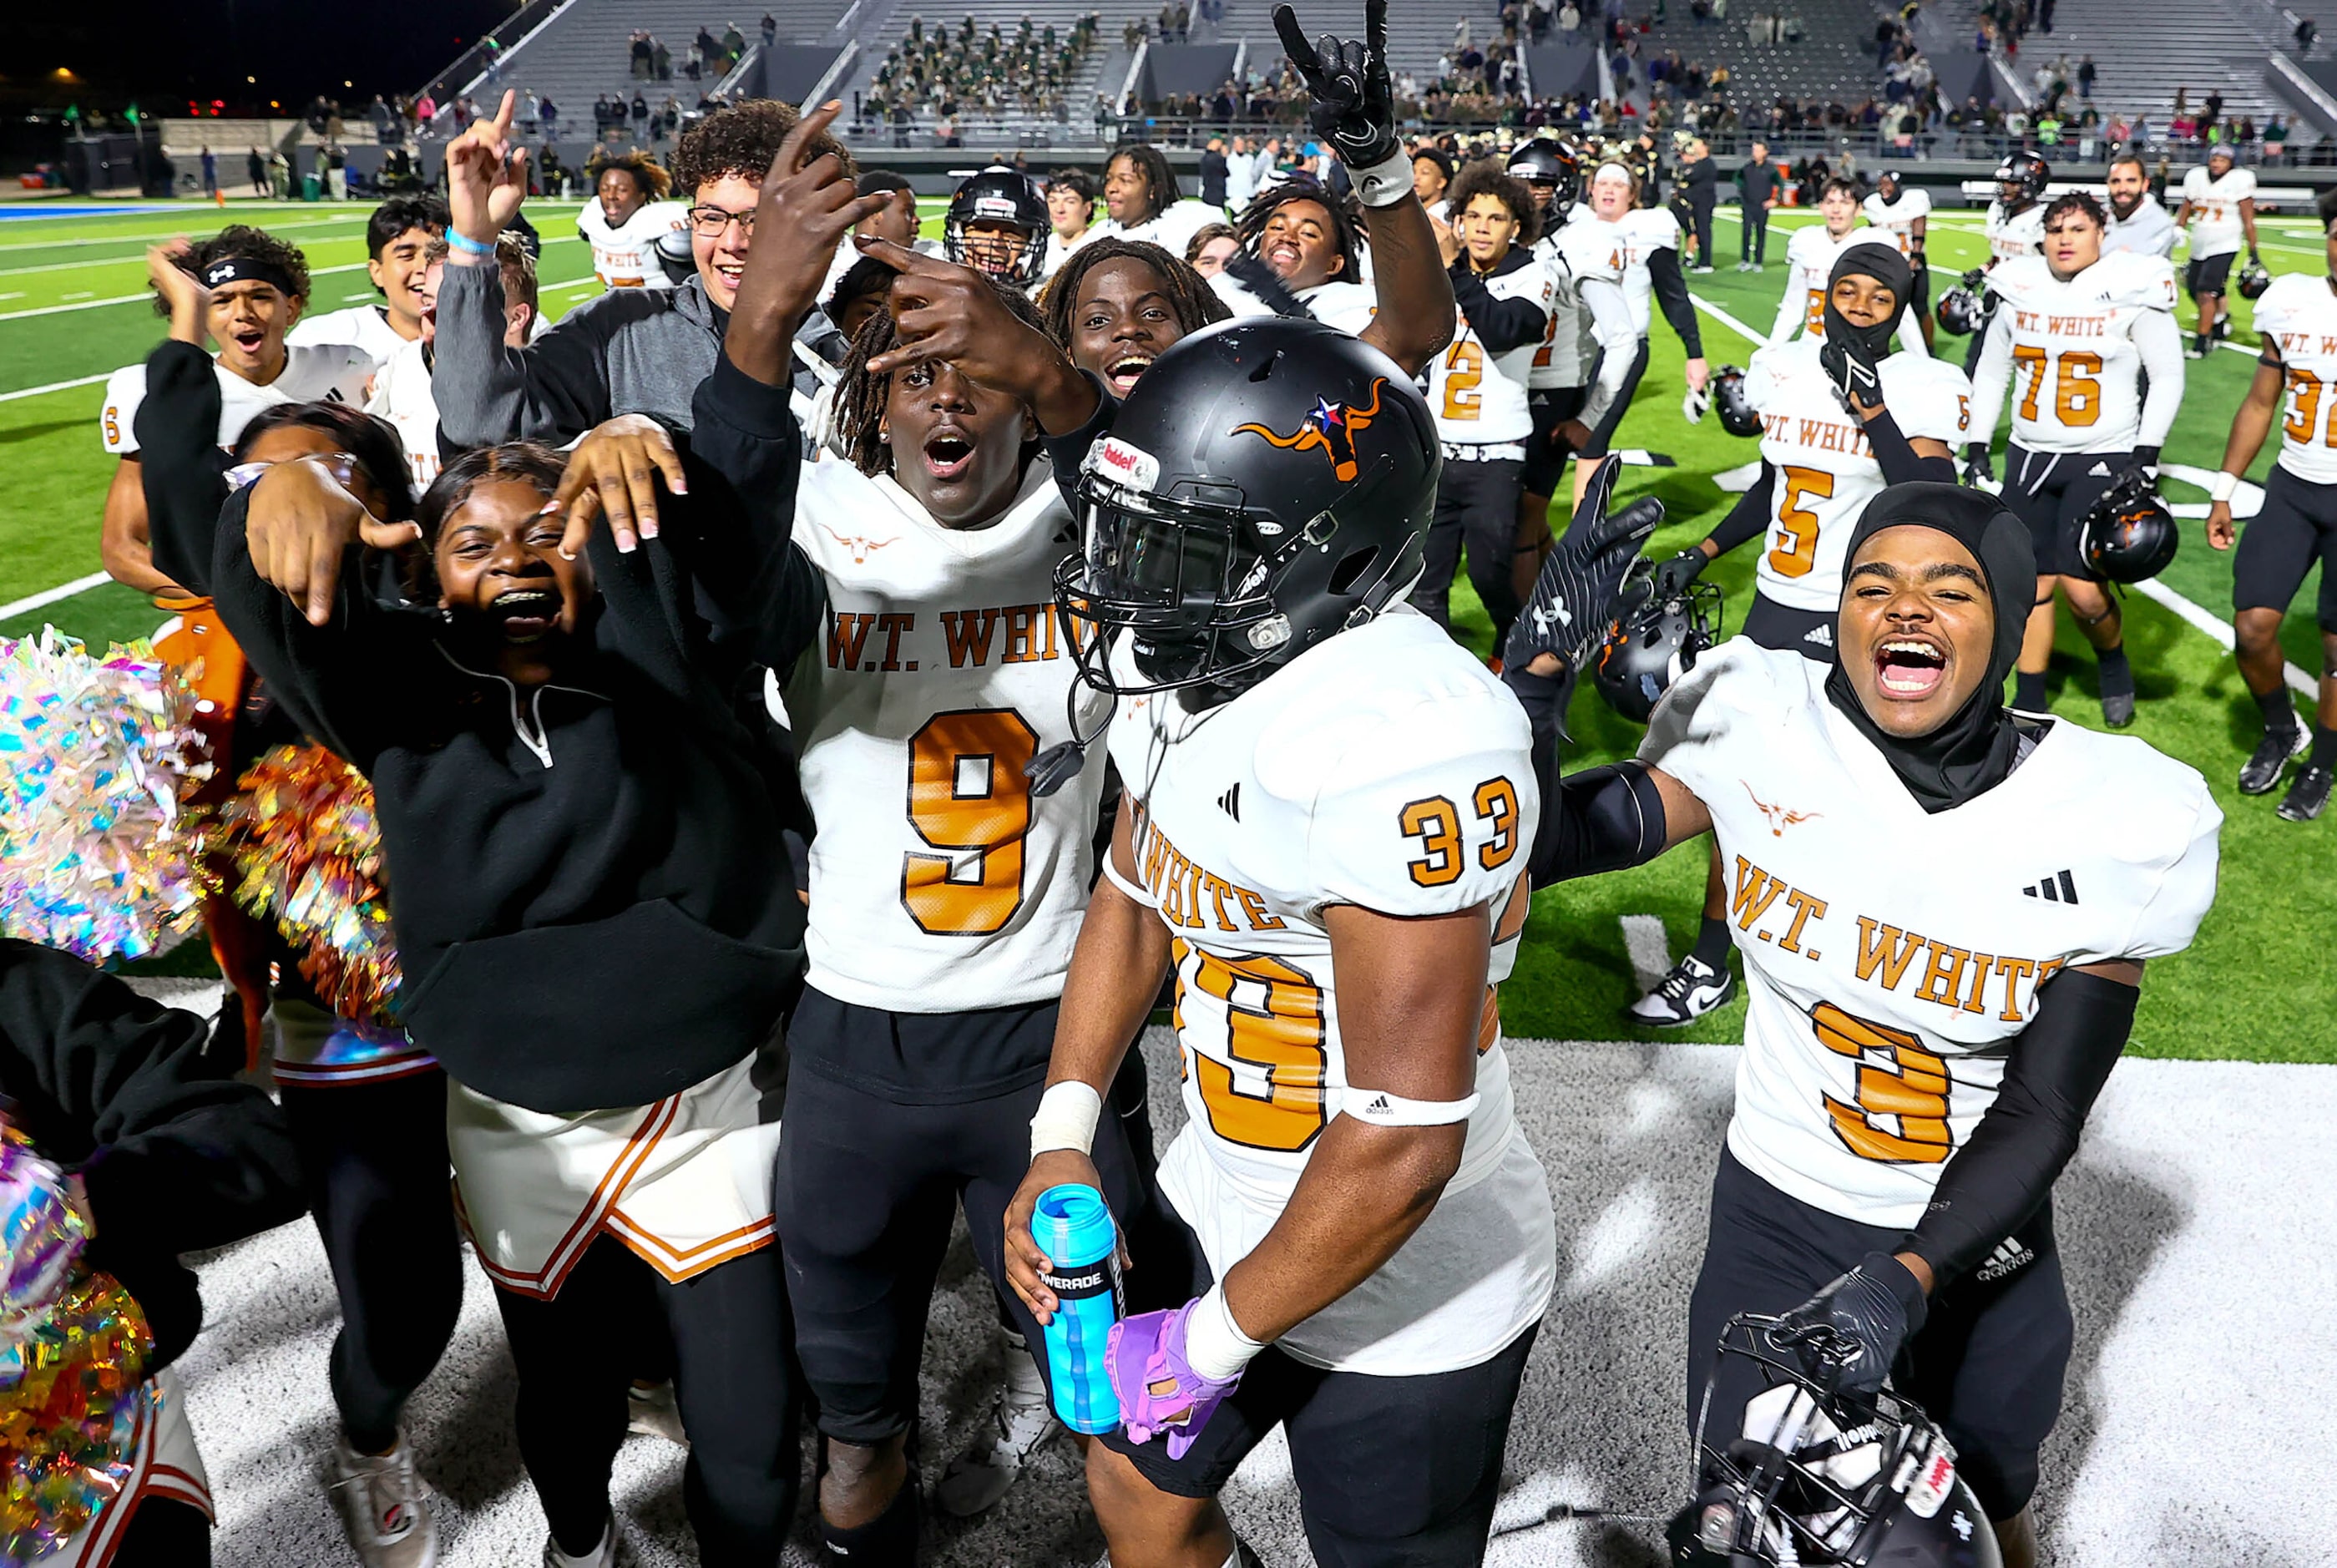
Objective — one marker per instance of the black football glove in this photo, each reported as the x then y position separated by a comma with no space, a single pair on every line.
1975,281
1574,598
1857,378
1977,465
1353,105
2143,460
1847,1334
1672,576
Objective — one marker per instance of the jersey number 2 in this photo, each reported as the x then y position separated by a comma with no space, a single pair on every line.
1912,1090
1464,370
968,796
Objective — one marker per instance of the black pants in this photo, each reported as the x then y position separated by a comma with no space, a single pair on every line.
1986,1365
1476,504
373,1162
2297,526
2052,492
164,1534
1701,212
733,1380
1753,237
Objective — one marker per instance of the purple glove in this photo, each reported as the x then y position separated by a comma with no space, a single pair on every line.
1144,1356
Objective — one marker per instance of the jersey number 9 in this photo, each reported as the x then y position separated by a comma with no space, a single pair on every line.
968,796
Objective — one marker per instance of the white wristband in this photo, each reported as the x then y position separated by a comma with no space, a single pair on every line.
1215,1344
1384,183
2225,487
1066,1119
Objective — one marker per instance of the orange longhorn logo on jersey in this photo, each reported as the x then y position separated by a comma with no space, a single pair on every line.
1330,428
861,548
1779,817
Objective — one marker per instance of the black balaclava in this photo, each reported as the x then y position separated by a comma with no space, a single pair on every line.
1885,266
1973,751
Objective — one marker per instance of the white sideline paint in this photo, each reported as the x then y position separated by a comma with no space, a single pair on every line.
1650,948
54,386
47,596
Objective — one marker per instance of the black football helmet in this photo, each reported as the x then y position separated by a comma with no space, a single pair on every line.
1268,485
1962,311
2021,178
1550,172
998,198
1654,639
1736,415
2129,536
1815,1483
2254,280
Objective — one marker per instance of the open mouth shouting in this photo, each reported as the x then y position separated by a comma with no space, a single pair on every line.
948,452
1908,668
248,340
1122,372
526,615
1284,256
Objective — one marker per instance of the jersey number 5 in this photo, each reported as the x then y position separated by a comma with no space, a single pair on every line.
968,796
1796,551
1912,1090
2076,385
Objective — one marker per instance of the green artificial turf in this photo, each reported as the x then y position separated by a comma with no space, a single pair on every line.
2255,986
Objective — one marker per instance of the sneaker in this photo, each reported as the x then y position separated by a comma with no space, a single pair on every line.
1699,269
381,1501
652,1412
2307,796
1020,1421
1691,990
609,1553
2261,773
2192,351
2118,708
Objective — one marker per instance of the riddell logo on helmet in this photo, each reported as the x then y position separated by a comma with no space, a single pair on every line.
1130,465
1932,1485
1330,427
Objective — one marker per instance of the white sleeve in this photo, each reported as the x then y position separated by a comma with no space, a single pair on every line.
1618,343
2185,887
1910,335
1706,714
2160,343
125,390
1938,407
2246,188
1993,377
1791,309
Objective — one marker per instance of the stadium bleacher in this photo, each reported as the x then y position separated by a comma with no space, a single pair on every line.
2146,49
1834,59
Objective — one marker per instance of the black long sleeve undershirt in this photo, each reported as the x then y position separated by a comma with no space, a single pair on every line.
1671,297
1501,324
1599,820
1749,518
2006,1170
1900,462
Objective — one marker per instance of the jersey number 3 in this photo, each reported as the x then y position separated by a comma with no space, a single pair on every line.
1912,1090
968,796
1437,825
1269,1092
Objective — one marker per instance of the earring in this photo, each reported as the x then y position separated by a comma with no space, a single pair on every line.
884,436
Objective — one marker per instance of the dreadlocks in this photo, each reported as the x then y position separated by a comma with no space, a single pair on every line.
860,396
649,178
1160,187
1251,225
1190,295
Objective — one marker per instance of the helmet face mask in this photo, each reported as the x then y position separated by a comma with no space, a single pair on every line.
1552,173
987,214
2021,179
1653,641
1737,416
2129,536
2254,280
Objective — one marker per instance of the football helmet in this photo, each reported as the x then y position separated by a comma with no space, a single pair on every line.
1551,173
674,256
1268,483
1654,640
2021,178
1962,311
2254,280
999,197
2129,536
1816,1484
1736,415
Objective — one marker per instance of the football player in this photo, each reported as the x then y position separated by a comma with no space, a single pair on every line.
398,235
401,387
1617,239
1070,214
1905,1102
2219,208
1810,257
2092,343
997,224
1115,312
1477,393
2296,320
2138,223
2015,225
623,221
1143,201
1299,252
1903,212
1842,417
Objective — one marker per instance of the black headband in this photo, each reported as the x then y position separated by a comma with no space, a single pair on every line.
230,269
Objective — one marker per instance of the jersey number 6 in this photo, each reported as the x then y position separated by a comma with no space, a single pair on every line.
2076,385
968,796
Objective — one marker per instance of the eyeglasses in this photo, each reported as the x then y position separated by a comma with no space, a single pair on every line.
711,221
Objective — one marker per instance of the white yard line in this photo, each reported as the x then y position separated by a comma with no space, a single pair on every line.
48,596
1650,949
145,295
1731,322
54,386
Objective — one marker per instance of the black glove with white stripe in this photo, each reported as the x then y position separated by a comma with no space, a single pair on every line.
1354,99
1574,598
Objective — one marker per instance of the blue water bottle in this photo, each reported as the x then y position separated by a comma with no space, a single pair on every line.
1072,1226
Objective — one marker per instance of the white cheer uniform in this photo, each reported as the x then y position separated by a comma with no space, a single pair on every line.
939,883
2299,313
1384,768
2215,227
318,373
2012,235
402,396
1826,473
1810,257
365,326
2078,350
624,255
1885,989
165,1466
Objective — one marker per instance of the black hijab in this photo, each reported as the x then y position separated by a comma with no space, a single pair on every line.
1973,751
1885,266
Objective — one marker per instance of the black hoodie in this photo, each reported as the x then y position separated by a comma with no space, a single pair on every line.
593,903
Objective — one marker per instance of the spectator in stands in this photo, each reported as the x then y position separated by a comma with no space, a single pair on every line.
734,44
770,30
1214,171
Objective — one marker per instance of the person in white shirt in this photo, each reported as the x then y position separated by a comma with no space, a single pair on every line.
1299,252
1432,173
2220,209
401,387
1903,212
398,236
1810,257
623,220
1070,214
2138,223
1144,202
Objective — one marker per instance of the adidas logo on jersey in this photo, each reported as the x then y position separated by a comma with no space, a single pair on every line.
2098,471
1231,802
1822,635
2058,888
1379,1106
2009,1255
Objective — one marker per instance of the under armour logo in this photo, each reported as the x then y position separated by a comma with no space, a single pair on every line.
2058,888
1962,1525
861,548
1231,802
1543,617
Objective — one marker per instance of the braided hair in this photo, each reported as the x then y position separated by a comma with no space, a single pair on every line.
1160,188
861,394
1196,304
1250,226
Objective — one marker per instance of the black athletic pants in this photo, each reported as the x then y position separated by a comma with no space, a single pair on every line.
733,1379
1476,504
1753,237
1701,212
373,1162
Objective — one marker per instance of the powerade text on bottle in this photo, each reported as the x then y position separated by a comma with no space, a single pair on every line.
1072,1226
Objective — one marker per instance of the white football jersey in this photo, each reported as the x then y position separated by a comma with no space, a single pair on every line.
1059,249
938,882
316,373
1172,229
2298,314
2014,235
1884,999
1479,396
1570,347
1810,257
624,255
1349,307
1826,473
402,396
1388,770
1641,233
1898,219
2215,228
365,326
2076,373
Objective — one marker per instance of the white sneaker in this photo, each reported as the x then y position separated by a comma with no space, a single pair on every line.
1691,990
609,1553
977,1478
381,1501
653,1413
